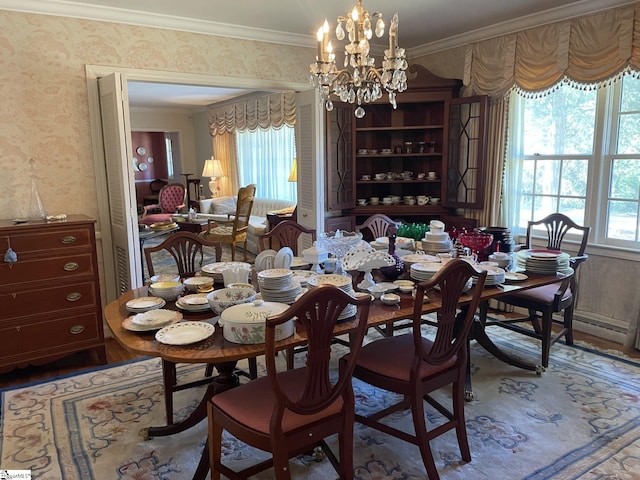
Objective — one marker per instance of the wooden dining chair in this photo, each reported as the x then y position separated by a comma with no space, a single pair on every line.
415,366
184,248
290,412
377,225
234,230
286,234
543,302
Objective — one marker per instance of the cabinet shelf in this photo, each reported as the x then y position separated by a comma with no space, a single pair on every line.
404,210
403,155
414,181
399,129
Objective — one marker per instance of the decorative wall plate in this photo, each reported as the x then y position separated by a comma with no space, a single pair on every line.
141,150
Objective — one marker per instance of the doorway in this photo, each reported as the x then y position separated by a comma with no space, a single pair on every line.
117,220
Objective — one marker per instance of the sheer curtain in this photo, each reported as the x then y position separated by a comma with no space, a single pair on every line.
253,138
265,157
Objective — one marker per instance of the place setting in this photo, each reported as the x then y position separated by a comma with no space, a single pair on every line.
151,320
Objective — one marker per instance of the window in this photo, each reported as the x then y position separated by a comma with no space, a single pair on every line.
265,157
577,151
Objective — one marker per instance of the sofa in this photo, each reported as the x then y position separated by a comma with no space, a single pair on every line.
218,208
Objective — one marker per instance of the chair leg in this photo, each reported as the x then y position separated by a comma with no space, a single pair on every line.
233,251
458,399
215,445
345,440
253,368
547,323
420,425
218,249
281,464
169,380
244,248
289,358
568,324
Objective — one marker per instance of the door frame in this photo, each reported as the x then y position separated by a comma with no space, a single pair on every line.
93,73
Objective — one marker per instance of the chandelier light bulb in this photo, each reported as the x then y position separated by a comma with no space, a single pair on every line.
359,80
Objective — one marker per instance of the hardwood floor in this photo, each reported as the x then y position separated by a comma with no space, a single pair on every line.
117,354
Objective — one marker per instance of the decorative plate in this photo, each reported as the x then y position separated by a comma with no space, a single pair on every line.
184,333
142,304
156,318
141,150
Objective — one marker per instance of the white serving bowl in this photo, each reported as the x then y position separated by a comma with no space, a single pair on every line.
245,323
171,277
390,298
166,290
220,300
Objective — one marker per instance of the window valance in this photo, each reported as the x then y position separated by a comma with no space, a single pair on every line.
267,111
584,50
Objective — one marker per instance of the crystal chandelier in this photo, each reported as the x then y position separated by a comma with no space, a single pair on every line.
360,81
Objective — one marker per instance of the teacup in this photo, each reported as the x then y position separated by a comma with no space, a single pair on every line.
374,200
366,177
380,176
362,201
421,175
395,199
432,175
434,200
411,201
422,199
387,201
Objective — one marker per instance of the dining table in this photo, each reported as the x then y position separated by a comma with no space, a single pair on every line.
224,355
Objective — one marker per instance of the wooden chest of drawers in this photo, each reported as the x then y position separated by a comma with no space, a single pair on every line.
50,298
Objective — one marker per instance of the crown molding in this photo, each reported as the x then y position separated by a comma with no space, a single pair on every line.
147,19
63,8
553,15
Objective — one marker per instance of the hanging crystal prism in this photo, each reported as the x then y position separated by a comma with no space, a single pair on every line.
36,207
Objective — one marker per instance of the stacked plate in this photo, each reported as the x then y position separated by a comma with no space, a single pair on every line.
495,275
302,276
196,302
151,320
278,285
436,242
424,270
343,283
418,258
546,262
215,269
144,304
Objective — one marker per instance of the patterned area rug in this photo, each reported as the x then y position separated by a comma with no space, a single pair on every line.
579,420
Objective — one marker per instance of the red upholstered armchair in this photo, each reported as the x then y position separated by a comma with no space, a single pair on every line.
171,200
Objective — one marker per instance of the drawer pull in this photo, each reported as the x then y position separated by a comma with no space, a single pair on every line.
68,239
71,266
76,329
74,296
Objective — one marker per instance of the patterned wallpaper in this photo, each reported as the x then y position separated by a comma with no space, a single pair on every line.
44,105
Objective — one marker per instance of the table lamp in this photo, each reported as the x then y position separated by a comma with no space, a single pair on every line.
213,168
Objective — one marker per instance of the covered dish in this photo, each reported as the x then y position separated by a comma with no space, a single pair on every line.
245,323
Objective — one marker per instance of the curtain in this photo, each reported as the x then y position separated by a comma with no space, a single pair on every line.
265,157
256,112
585,50
224,149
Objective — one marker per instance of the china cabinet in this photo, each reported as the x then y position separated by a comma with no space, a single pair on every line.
49,292
424,157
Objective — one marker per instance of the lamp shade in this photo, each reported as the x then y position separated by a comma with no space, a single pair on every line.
212,168
293,175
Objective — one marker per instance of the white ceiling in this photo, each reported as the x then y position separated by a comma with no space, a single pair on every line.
425,25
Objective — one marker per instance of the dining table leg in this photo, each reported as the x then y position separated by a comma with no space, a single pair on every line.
479,334
225,380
